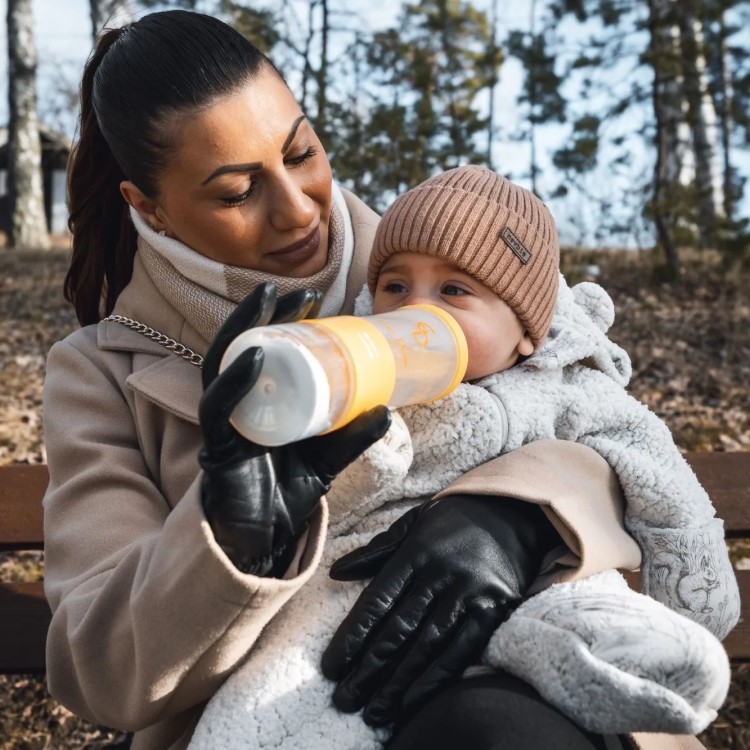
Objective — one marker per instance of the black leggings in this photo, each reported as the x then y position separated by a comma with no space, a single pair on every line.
494,712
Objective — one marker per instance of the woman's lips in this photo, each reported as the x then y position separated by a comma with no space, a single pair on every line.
299,251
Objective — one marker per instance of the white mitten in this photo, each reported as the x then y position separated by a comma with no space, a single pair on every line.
614,660
687,570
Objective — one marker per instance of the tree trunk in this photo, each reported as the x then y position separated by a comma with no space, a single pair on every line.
724,110
307,68
667,113
702,119
679,168
448,89
492,83
28,224
109,13
323,70
533,167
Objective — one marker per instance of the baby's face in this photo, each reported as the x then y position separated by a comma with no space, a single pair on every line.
494,334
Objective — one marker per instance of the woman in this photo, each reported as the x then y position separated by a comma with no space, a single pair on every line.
170,540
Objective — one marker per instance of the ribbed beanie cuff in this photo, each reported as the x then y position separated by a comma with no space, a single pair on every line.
494,230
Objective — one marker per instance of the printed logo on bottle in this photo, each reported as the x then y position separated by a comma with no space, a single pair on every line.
421,334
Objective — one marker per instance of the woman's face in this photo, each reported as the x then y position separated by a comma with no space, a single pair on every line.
249,184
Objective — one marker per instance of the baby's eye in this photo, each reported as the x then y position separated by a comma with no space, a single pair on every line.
395,287
452,290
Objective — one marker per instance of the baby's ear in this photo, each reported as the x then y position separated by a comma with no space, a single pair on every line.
525,346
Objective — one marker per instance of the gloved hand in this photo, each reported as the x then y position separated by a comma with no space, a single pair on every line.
258,500
447,573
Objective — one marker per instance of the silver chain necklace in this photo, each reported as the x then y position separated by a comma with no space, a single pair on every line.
160,338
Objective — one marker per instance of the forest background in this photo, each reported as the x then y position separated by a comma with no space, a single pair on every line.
630,117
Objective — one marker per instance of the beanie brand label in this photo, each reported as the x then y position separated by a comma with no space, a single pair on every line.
519,249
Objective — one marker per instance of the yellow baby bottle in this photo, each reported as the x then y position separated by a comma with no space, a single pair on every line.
319,374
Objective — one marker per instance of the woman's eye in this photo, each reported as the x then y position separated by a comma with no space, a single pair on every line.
451,290
236,200
302,158
395,287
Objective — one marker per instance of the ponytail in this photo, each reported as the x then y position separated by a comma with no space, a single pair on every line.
104,238
138,80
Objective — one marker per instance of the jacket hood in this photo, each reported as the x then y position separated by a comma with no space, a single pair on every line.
577,334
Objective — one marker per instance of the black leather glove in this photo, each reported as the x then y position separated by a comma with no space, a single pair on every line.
447,573
258,500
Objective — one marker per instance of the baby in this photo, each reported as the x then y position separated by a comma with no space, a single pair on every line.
540,366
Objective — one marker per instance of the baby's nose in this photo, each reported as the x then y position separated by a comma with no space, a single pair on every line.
421,299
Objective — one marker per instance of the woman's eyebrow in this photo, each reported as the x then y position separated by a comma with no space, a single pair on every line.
252,166
292,133
228,168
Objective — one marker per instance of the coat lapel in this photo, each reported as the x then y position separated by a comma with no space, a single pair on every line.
159,376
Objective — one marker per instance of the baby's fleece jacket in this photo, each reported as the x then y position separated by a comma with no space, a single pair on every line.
571,388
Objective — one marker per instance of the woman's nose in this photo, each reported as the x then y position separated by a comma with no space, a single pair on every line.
290,206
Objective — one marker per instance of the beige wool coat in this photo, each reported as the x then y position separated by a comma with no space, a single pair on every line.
149,615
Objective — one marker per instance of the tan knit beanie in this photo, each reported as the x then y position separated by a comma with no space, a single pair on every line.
496,231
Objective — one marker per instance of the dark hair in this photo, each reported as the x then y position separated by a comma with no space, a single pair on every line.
136,80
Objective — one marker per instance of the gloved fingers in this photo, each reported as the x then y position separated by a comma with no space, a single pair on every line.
256,309
297,305
327,455
434,635
463,650
223,395
366,561
314,311
364,619
384,651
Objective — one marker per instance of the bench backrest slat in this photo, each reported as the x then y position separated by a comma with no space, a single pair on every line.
21,491
726,477
25,615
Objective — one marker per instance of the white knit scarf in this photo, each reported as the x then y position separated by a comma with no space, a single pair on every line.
205,291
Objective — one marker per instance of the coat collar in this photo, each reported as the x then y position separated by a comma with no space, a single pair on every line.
157,375
164,378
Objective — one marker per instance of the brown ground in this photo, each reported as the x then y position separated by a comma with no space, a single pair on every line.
690,345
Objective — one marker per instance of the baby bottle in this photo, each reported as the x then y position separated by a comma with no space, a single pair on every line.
320,374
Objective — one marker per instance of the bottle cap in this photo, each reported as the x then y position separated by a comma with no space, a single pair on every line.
291,397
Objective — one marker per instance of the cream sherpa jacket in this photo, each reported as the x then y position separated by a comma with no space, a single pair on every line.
577,393
572,388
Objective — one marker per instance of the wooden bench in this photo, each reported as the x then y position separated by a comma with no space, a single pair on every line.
24,615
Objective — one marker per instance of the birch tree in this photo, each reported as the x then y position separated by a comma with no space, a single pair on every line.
728,70
701,116
28,225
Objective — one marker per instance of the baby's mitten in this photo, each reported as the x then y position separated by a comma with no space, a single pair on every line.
688,570
614,660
